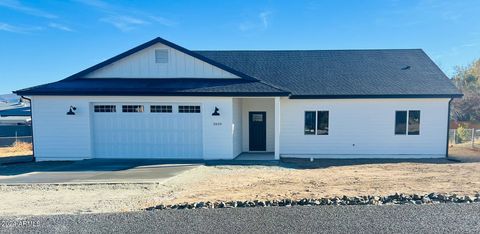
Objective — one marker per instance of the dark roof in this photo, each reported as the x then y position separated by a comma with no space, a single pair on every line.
149,86
300,74
343,73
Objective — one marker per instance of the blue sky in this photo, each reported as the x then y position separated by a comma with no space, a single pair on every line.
44,41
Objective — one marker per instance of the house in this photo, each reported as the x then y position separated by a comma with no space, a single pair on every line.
160,100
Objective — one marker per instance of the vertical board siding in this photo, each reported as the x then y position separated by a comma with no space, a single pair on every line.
363,127
259,104
142,65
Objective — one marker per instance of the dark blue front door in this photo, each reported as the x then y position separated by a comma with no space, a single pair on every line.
257,131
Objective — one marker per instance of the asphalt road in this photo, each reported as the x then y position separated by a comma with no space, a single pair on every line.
444,218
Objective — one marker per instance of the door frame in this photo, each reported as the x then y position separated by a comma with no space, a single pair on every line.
264,113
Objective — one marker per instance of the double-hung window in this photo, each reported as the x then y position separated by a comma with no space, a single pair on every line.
316,122
407,122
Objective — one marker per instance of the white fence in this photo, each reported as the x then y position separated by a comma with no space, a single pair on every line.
465,137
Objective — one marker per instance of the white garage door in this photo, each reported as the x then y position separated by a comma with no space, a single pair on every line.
147,130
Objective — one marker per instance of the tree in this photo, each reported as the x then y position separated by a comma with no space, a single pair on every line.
467,80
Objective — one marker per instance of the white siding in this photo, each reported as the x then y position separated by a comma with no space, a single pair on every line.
237,126
59,136
142,65
259,104
364,128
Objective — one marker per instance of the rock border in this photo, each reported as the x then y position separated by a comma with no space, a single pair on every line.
396,199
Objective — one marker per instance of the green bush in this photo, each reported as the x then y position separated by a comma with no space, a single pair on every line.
462,134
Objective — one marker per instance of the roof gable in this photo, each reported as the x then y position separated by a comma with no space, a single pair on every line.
140,62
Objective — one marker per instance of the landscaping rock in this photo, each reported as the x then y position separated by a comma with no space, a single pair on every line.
395,199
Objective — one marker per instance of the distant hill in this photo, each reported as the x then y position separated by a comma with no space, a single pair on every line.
11,98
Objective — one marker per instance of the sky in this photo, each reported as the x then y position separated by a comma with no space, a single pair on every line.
45,41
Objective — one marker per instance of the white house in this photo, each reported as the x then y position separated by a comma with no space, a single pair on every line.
160,100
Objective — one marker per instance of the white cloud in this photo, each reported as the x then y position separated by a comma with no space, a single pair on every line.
18,29
265,17
60,27
16,5
123,23
261,22
125,19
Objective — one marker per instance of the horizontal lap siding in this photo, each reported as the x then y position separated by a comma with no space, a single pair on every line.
364,127
58,136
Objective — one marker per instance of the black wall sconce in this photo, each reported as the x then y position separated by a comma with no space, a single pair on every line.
215,113
72,110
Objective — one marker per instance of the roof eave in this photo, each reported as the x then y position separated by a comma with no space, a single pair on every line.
123,93
459,95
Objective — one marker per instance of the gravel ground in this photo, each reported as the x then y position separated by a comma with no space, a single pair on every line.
441,218
327,178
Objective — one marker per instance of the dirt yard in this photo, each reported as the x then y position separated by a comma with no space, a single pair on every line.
17,149
212,183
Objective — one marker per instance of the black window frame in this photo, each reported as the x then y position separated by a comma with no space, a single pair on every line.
401,118
407,127
104,108
161,109
321,128
133,109
189,109
312,124
312,119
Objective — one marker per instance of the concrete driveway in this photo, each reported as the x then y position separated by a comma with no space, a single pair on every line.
93,171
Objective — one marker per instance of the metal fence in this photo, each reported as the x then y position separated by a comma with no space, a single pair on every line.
465,137
9,141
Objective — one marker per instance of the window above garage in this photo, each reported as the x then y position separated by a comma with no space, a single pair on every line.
161,109
105,108
132,108
188,109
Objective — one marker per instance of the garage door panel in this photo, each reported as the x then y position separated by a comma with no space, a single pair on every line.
147,135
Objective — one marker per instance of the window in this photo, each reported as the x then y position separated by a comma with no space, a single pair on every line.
322,123
414,122
161,56
132,108
188,109
411,117
309,122
160,109
316,123
104,108
400,122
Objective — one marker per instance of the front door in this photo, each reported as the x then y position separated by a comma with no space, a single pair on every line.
257,131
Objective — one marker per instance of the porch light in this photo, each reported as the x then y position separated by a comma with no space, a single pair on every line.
72,110
215,113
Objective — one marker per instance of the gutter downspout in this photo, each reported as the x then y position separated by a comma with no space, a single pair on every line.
448,127
31,125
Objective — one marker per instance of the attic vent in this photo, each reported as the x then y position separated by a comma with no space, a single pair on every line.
161,56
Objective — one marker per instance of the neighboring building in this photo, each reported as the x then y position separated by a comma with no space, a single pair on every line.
160,100
15,122
17,113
